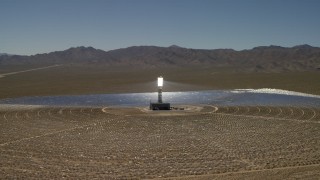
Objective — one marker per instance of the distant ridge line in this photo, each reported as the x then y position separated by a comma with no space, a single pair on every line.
260,59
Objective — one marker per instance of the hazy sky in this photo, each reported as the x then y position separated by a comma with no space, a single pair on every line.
39,26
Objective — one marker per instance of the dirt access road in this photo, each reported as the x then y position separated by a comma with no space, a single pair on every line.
28,70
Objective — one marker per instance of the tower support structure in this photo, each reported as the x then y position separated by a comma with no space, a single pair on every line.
159,94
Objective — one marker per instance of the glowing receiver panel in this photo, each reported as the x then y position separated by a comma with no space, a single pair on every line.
160,81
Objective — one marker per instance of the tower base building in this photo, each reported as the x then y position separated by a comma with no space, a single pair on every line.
160,106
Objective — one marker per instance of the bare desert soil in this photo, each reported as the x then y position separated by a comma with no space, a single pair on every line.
203,142
75,80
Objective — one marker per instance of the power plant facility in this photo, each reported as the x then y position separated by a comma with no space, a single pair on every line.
160,105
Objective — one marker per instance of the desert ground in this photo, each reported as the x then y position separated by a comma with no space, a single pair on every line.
205,142
90,79
200,142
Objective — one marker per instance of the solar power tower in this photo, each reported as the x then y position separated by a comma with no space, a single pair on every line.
160,105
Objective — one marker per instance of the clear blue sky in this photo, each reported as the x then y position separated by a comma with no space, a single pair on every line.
40,26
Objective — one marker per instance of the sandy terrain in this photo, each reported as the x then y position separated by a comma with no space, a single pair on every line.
79,80
201,142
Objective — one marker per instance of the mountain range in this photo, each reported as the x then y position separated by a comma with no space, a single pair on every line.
5,54
261,59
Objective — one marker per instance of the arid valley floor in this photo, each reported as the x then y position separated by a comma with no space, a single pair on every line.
201,142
